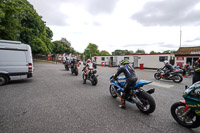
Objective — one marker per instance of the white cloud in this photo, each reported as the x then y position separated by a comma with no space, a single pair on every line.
121,24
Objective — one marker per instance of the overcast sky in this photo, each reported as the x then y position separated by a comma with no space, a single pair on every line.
123,24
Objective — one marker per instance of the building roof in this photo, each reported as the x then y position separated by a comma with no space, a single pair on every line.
188,51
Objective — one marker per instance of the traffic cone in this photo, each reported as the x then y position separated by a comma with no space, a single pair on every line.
143,78
100,70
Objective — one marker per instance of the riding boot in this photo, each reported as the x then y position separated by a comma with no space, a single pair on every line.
123,102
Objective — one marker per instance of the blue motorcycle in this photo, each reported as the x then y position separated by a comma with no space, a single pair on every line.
187,111
144,101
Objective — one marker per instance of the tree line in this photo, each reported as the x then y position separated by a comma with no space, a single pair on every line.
19,21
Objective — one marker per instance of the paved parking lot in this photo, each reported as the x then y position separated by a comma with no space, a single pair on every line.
54,100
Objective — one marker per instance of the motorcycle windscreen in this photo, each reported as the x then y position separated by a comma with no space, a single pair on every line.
141,83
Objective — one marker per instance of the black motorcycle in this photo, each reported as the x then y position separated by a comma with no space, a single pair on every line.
74,67
67,65
176,77
90,76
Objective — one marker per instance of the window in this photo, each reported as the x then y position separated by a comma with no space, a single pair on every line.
102,58
163,58
126,58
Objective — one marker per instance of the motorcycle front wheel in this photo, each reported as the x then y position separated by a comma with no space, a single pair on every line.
157,76
148,103
177,78
189,120
112,91
94,80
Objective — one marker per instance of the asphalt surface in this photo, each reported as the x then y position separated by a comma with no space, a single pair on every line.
55,101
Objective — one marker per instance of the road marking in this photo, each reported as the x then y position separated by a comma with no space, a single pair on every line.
161,85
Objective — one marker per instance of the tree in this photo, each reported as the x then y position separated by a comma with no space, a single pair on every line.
169,51
122,52
166,51
140,51
63,46
153,52
104,52
91,50
19,21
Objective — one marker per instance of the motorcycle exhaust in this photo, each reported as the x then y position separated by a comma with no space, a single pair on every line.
150,91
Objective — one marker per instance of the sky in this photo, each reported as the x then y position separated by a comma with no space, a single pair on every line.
150,25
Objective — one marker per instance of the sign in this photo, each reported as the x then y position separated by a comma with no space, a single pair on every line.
195,52
179,64
179,58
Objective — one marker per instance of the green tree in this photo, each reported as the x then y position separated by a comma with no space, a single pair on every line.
63,46
153,52
140,51
122,52
91,50
166,51
19,21
104,52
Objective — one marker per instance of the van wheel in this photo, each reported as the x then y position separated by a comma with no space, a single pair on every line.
3,79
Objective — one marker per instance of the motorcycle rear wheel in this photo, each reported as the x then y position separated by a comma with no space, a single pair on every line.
177,78
157,76
76,72
190,120
148,102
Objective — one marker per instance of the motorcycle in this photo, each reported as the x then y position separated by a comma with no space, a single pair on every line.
67,64
74,67
90,76
187,111
144,101
176,77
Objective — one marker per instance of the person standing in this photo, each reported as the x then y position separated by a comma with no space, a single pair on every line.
196,76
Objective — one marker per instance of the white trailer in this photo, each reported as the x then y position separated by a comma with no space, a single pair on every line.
138,60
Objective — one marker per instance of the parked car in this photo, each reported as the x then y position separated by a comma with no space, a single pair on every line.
15,61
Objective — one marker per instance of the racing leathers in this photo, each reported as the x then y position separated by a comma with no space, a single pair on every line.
196,76
131,79
86,69
169,68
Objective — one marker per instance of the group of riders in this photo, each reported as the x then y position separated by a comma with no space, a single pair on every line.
130,75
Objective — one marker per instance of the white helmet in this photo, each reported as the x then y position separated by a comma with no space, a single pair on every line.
165,62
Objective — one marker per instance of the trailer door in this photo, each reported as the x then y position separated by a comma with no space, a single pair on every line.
135,61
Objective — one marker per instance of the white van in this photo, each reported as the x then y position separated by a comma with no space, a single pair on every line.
15,61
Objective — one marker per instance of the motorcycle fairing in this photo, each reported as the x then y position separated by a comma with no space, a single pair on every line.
141,83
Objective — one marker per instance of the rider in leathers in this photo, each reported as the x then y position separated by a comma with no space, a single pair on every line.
168,67
196,76
131,79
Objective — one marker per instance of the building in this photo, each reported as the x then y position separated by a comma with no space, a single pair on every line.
187,55
138,60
